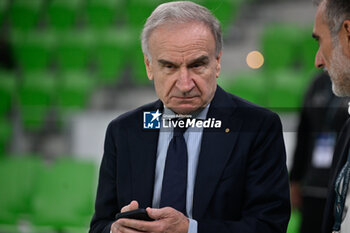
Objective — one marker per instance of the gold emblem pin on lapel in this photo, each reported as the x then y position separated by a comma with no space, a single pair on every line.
227,130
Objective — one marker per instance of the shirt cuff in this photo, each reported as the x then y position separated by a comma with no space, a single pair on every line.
192,226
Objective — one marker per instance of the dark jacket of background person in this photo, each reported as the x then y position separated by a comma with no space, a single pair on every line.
340,157
325,113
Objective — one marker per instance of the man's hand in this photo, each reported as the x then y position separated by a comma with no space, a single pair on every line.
132,206
168,220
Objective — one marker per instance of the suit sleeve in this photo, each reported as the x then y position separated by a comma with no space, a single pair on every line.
266,206
106,200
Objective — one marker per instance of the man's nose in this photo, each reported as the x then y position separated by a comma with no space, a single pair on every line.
184,82
319,61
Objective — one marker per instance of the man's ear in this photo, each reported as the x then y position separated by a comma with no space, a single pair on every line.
148,67
346,35
218,64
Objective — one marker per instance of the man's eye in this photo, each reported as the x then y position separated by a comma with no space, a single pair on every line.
169,66
197,65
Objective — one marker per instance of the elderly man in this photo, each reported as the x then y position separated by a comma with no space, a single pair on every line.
221,168
332,31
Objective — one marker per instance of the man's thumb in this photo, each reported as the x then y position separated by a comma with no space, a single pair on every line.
133,205
155,213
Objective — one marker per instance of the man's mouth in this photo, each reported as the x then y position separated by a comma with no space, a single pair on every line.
184,97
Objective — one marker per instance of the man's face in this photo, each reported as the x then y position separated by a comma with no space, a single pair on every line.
330,55
184,66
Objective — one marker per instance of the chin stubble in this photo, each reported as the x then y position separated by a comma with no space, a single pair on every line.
339,72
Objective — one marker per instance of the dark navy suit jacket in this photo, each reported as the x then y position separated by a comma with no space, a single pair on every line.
241,183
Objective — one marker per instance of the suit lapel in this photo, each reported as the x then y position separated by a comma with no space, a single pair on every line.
216,149
143,150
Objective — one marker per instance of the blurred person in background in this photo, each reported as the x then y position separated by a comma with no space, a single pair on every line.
227,179
332,31
321,119
7,60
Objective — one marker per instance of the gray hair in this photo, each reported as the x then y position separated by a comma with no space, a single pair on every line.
336,12
180,12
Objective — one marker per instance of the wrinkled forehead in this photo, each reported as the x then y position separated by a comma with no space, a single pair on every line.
182,35
174,27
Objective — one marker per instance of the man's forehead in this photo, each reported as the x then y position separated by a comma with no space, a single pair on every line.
321,12
193,27
187,42
320,19
183,57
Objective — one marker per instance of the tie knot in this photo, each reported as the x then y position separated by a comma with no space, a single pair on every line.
180,126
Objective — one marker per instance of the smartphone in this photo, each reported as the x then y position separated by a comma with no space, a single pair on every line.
139,214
